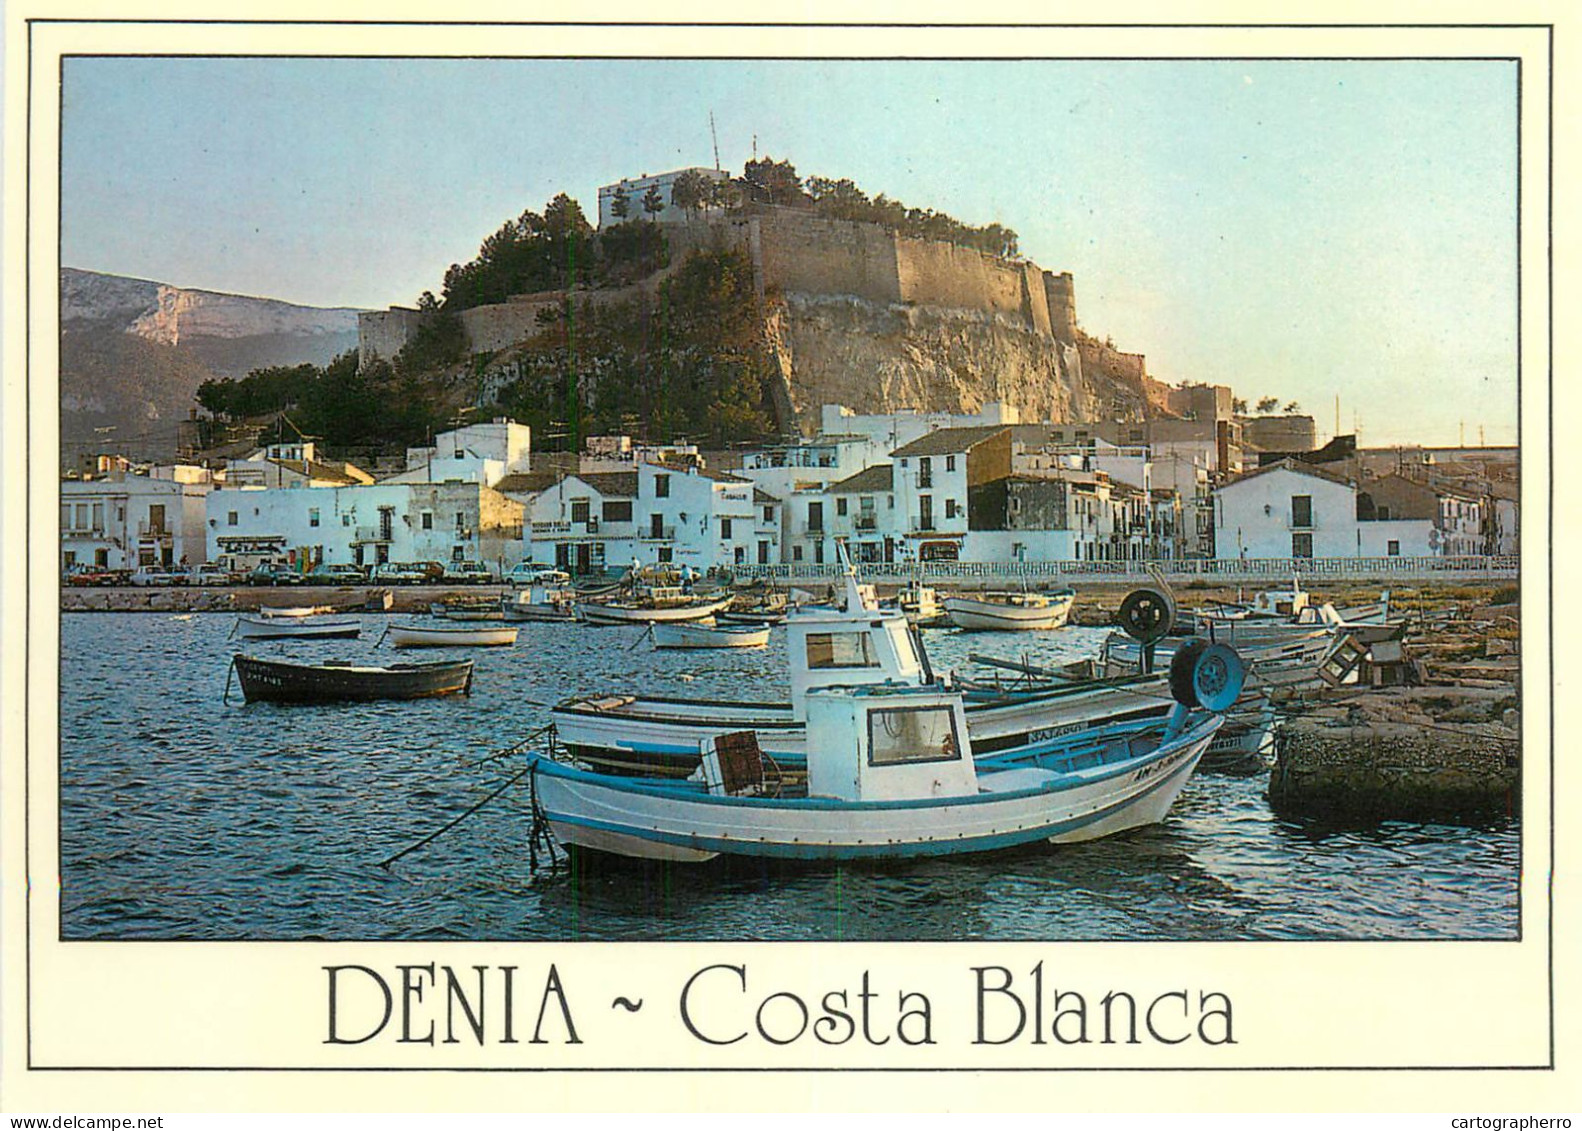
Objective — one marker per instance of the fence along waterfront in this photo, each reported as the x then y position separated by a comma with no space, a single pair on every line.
1488,568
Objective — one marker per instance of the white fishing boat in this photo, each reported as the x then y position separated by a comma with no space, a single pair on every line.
658,604
1278,614
856,644
311,626
468,609
920,605
1011,612
1290,661
890,774
694,634
540,602
437,636
295,612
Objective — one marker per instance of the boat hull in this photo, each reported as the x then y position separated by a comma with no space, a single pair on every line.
1017,805
990,616
407,636
248,628
689,635
595,613
272,681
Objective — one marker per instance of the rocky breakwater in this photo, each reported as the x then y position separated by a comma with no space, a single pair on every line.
1422,753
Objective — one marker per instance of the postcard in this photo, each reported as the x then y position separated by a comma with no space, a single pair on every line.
887,562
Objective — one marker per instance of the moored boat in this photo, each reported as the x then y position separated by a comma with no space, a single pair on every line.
660,605
891,774
1011,611
436,636
313,627
275,681
693,634
539,602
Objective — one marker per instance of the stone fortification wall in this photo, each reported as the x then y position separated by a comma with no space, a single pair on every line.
802,254
1061,297
382,333
497,326
941,274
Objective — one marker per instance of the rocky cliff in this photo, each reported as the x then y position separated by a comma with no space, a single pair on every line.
880,358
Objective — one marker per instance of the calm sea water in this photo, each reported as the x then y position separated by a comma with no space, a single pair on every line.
186,817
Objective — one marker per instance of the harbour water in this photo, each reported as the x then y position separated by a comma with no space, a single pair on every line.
186,817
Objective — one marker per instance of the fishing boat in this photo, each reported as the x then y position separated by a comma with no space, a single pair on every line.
468,609
891,774
1277,614
657,604
437,636
920,605
540,602
754,616
308,627
294,612
1013,612
1290,661
275,681
693,634
855,644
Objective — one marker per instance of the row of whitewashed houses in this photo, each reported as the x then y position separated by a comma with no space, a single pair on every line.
894,488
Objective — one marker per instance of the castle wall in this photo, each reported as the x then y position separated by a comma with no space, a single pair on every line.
382,333
497,326
1060,294
942,274
809,255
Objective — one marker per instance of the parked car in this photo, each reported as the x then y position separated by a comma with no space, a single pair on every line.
324,574
468,573
210,574
535,573
158,575
267,574
92,575
398,573
432,571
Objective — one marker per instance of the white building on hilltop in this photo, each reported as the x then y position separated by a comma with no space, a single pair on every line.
636,188
474,453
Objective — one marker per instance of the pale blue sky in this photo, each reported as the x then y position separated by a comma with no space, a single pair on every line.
1299,229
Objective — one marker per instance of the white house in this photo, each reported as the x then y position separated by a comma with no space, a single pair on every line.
585,523
693,516
127,521
1286,510
474,453
933,475
291,464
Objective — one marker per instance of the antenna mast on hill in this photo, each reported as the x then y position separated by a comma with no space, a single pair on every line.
716,138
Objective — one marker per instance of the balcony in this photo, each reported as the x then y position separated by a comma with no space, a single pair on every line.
866,523
367,534
665,534
94,535
154,531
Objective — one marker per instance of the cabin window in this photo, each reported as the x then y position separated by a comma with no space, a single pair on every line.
840,650
898,736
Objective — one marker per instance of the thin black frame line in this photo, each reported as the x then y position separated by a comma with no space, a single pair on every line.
27,586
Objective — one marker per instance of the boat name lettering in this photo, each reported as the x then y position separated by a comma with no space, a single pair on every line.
1055,732
1160,766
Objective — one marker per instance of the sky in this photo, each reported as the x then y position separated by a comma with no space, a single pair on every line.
1295,229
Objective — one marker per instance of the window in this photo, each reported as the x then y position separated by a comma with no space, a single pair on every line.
661,486
769,514
925,472
741,555
763,553
725,530
1393,548
579,511
796,553
925,512
427,520
70,558
665,553
950,463
950,508
456,553
82,517
230,518
815,516
98,516
618,511
818,552
313,516
898,736
101,558
120,514
840,650
1302,510
346,520
840,506
1382,514
461,521
1301,545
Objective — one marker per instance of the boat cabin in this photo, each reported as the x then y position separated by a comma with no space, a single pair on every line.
1285,603
888,744
836,649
